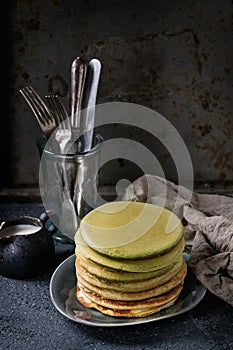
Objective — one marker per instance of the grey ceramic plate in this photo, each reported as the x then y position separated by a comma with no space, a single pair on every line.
62,292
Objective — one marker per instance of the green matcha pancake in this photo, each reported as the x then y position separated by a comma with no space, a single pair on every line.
131,230
117,276
131,265
126,286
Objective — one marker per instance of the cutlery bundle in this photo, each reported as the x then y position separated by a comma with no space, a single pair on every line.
64,179
73,134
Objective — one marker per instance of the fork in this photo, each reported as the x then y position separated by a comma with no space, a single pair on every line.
59,111
63,132
41,111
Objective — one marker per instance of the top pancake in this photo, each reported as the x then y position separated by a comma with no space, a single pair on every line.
131,230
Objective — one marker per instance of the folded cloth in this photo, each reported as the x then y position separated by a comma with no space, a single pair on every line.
208,221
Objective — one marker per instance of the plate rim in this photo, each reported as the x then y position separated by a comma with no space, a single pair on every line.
135,321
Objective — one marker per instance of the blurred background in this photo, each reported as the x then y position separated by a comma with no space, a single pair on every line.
175,57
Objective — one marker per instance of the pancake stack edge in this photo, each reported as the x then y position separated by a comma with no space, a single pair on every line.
129,287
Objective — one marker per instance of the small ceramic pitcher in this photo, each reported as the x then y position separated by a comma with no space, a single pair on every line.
26,247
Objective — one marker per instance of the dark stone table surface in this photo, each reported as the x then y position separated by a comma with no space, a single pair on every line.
29,320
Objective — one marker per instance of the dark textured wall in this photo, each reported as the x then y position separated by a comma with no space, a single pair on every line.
172,56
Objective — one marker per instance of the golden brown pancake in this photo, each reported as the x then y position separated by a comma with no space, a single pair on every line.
123,296
126,286
127,305
128,309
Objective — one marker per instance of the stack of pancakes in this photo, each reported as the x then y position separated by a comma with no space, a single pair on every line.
129,260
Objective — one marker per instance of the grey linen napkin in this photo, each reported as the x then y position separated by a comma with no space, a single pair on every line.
208,221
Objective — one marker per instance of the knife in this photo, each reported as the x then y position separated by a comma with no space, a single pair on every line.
89,103
78,72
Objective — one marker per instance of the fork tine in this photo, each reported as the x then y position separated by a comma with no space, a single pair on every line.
33,106
63,113
40,110
53,106
60,114
33,102
40,103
